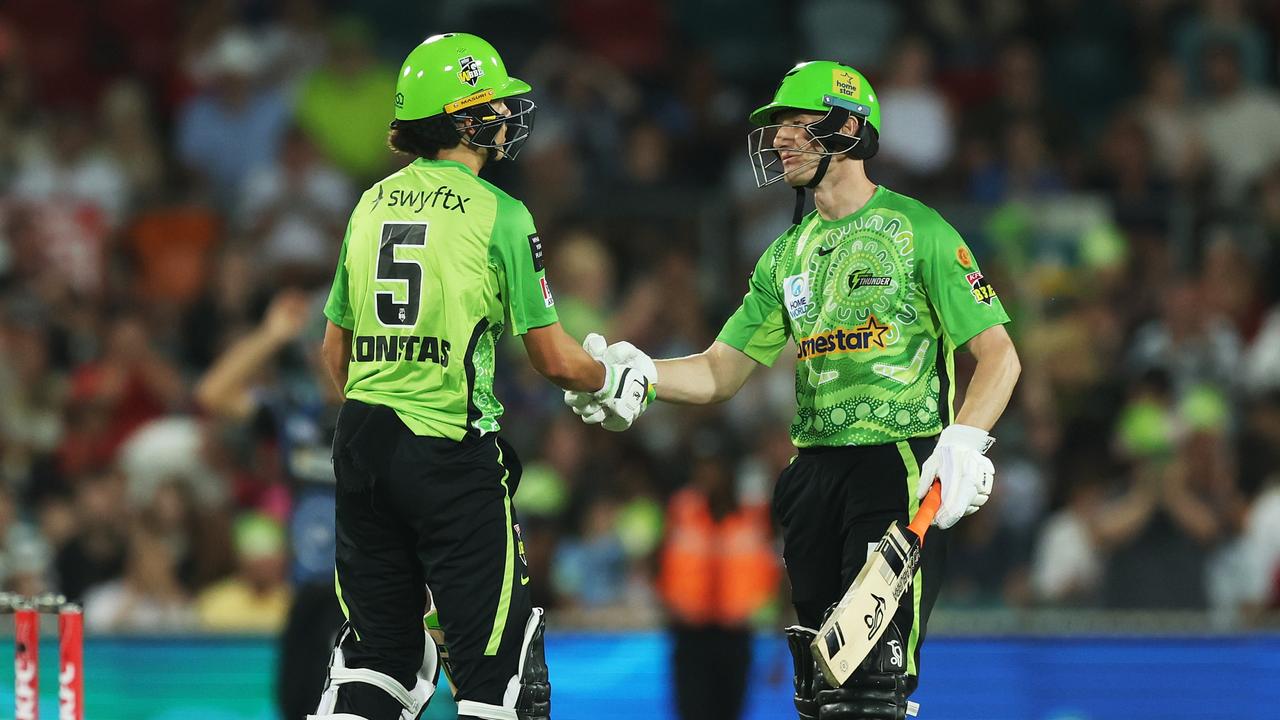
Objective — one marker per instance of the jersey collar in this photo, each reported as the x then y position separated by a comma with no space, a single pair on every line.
872,202
425,163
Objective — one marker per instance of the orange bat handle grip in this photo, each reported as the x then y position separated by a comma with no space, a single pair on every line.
928,508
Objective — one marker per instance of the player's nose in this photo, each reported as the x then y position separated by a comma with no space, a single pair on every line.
785,139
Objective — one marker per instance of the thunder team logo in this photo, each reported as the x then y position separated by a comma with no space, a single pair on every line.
469,70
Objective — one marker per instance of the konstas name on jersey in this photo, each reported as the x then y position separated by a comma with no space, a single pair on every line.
402,348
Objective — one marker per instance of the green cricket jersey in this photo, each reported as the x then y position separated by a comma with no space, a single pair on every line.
433,261
876,302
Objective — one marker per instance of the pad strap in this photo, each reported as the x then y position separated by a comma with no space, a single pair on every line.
386,683
471,708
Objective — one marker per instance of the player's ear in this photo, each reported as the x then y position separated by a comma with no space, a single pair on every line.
465,125
851,126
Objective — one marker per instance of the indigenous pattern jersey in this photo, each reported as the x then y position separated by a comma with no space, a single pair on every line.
876,304
434,262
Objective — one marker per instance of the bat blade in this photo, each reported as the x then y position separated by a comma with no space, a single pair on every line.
860,618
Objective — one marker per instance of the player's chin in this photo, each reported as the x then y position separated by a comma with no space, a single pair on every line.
798,177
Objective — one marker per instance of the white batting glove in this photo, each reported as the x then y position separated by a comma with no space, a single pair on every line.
584,404
628,387
965,473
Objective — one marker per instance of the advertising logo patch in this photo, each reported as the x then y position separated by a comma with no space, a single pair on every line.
535,248
963,257
981,290
875,618
866,336
469,70
795,293
844,83
418,200
546,293
895,654
520,544
474,98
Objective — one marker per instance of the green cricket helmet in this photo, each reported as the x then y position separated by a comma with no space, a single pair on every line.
459,76
820,86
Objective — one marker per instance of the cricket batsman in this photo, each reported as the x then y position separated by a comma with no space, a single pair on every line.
435,264
876,291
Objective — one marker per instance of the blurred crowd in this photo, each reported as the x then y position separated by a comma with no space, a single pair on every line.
175,178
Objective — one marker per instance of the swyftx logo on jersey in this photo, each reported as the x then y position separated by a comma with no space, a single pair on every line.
419,200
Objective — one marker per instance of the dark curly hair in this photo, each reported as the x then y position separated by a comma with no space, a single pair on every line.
423,138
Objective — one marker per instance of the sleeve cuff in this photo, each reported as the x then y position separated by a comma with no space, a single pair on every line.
346,323
960,340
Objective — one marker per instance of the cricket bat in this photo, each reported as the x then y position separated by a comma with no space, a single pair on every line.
861,616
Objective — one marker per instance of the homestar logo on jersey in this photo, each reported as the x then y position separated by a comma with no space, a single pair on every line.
417,200
866,336
795,293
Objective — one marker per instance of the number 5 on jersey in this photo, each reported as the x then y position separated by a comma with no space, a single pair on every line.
401,271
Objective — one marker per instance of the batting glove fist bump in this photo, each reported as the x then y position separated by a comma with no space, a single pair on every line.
966,474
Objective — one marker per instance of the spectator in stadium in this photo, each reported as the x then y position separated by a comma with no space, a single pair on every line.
96,552
76,169
1182,499
1188,341
150,597
1066,569
1236,109
1268,204
1170,120
256,598
921,140
353,78
31,416
1024,169
1262,359
1020,97
131,383
292,208
1221,22
237,122
1140,194
590,572
131,140
716,571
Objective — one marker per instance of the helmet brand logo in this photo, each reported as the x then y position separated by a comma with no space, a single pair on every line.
470,71
474,98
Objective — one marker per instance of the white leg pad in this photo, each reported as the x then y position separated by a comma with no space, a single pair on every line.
507,711
513,686
413,701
